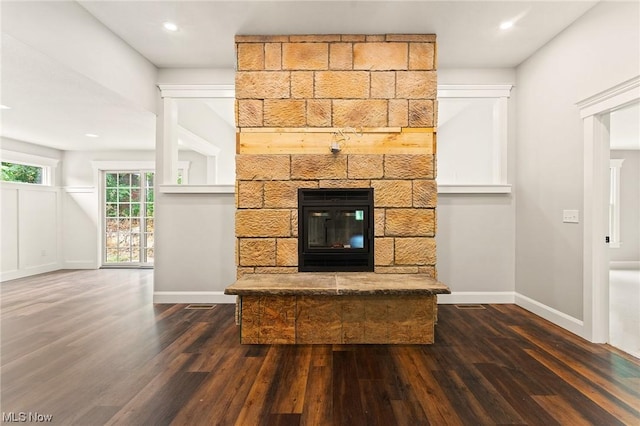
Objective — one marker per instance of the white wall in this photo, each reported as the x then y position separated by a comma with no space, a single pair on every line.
30,221
195,247
476,232
629,250
601,49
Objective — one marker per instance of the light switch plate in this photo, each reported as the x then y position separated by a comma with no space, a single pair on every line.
571,216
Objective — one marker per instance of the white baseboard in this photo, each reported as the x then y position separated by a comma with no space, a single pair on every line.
474,297
80,264
561,319
27,272
192,297
628,264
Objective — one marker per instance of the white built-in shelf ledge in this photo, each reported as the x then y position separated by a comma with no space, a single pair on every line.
196,189
474,189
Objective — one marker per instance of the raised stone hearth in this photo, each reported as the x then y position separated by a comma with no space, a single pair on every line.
336,308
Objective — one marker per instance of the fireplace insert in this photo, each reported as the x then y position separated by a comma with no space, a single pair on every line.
335,230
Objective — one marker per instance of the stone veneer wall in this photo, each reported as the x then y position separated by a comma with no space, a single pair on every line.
293,96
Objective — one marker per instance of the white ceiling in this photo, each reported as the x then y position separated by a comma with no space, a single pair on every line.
54,105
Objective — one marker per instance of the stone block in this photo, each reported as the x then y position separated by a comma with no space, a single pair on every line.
415,251
353,37
319,112
360,113
363,166
263,223
421,56
261,38
318,320
341,85
410,222
294,223
243,270
305,56
250,194
340,56
383,251
425,193
373,56
345,183
287,252
285,113
409,166
262,85
392,193
416,84
421,113
302,84
308,38
428,270
276,270
284,193
378,221
272,56
250,56
427,38
249,113
257,252
396,269
375,37
383,84
398,113
277,323
318,166
262,167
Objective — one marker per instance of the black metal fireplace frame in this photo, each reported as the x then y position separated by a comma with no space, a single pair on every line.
336,259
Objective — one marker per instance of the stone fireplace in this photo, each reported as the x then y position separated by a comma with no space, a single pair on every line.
336,112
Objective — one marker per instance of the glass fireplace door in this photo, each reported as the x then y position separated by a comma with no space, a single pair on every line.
335,228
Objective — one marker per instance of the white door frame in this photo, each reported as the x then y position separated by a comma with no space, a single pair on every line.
594,113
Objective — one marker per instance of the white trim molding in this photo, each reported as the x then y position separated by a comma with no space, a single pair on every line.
196,189
197,90
611,99
474,189
192,297
624,264
594,112
550,314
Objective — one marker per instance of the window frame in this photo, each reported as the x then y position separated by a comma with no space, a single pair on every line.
47,164
500,93
615,166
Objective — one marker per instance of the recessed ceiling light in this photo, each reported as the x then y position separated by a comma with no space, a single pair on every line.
4,107
91,135
506,25
170,26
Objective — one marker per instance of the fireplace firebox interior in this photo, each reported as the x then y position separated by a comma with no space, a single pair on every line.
335,230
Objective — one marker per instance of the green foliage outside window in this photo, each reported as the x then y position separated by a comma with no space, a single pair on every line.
12,172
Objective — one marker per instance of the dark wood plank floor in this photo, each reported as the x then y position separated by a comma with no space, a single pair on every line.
89,348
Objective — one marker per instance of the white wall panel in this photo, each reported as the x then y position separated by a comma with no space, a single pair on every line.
9,237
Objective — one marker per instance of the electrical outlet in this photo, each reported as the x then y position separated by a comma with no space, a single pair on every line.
571,216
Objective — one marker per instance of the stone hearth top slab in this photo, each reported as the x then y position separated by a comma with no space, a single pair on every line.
336,283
